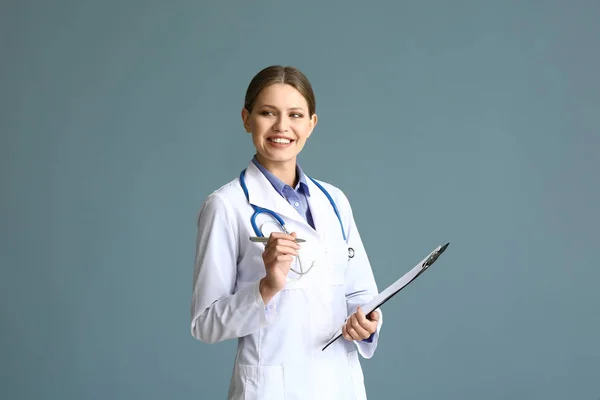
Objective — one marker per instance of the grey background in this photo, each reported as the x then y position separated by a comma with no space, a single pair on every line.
474,122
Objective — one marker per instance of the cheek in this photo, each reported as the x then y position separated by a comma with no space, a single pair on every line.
260,125
306,134
256,140
303,129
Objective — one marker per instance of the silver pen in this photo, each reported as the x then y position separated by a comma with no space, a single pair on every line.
265,239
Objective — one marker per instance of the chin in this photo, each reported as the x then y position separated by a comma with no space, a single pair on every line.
284,159
280,158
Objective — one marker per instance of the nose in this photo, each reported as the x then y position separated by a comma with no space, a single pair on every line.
281,125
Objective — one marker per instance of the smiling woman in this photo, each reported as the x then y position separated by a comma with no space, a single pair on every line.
281,301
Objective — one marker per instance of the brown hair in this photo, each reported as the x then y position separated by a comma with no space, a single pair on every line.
279,74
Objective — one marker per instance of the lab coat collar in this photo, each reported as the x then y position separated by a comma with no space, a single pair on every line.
278,184
262,194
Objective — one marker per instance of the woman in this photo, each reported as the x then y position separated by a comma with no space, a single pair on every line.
284,299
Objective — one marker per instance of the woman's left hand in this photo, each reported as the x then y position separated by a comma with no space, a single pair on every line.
359,326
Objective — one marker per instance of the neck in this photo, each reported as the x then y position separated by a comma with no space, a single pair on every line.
284,170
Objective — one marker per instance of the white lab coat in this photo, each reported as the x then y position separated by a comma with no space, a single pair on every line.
279,352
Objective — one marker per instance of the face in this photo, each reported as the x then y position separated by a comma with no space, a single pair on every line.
280,124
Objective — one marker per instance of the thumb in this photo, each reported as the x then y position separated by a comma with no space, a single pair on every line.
373,316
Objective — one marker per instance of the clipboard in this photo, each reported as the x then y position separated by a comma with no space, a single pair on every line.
395,287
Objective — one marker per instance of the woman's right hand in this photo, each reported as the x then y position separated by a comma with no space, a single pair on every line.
278,256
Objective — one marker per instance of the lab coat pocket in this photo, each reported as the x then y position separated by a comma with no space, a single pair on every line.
357,375
263,382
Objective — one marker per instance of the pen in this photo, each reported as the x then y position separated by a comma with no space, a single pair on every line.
265,239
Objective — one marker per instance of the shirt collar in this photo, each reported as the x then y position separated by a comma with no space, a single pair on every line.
278,184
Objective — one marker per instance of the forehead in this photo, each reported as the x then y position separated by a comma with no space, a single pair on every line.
281,95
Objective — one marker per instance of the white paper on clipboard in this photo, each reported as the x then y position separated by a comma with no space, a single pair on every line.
395,287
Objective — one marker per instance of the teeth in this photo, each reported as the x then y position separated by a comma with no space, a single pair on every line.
279,140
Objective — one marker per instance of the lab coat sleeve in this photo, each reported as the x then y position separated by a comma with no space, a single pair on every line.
359,281
217,312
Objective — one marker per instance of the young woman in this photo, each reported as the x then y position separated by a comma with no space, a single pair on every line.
283,297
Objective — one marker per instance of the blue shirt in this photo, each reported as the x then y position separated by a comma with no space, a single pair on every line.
297,197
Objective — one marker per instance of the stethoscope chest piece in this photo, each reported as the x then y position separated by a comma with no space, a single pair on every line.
350,253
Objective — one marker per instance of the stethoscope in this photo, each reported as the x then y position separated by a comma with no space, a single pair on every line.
260,210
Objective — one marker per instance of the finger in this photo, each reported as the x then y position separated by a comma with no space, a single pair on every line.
281,242
283,249
365,322
281,261
373,316
360,315
362,331
362,320
282,235
345,333
271,253
277,236
370,327
353,334
351,322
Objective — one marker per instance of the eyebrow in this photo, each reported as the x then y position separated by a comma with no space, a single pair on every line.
289,109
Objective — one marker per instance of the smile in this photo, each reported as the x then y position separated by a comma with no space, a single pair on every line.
279,140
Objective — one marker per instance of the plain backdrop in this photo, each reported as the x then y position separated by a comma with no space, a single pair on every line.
473,122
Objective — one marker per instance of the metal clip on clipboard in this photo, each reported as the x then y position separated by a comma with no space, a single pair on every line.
434,256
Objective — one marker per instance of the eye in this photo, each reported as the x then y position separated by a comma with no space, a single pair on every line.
266,113
296,115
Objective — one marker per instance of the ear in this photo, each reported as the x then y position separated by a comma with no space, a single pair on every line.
313,123
246,119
